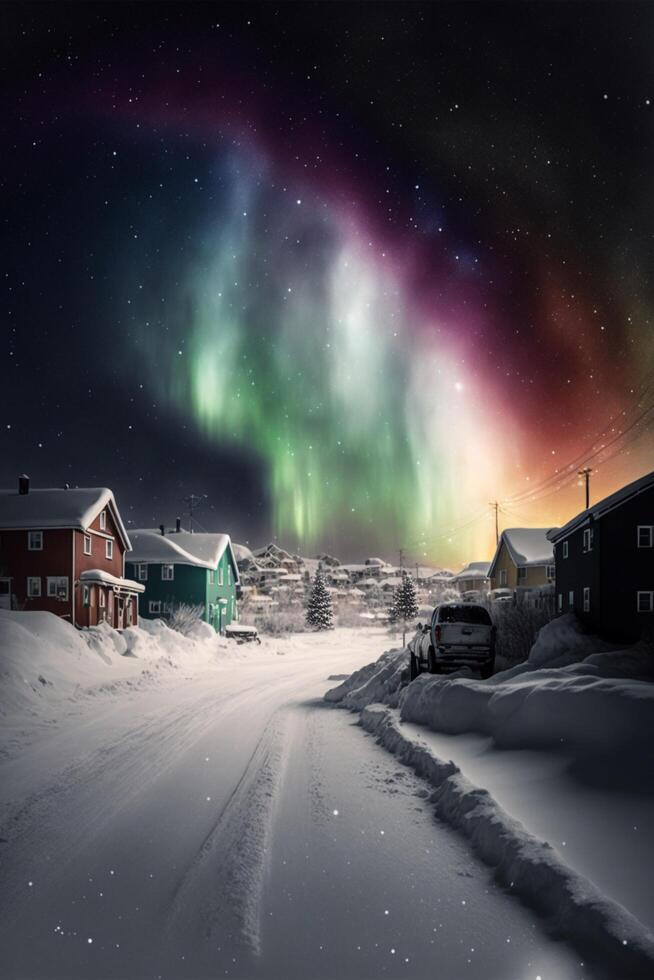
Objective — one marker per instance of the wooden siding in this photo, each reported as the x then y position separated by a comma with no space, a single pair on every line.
535,575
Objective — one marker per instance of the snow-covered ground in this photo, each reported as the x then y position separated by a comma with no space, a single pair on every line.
546,770
187,808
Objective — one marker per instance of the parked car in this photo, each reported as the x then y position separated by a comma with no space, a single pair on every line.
460,634
242,633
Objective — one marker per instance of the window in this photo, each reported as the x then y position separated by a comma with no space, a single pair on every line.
168,608
167,573
588,539
503,577
58,587
109,549
565,549
586,599
475,615
103,520
550,573
35,540
142,572
33,587
559,604
86,595
211,576
154,606
571,600
645,601
522,574
88,548
221,574
103,598
645,536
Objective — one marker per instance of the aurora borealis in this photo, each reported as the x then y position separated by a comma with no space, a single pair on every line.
354,271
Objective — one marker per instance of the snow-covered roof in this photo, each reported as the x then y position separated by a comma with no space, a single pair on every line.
474,569
75,507
99,575
526,546
604,506
242,552
150,546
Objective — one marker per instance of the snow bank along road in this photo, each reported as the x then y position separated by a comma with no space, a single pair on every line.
224,821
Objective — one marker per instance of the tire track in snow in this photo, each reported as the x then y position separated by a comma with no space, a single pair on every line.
222,888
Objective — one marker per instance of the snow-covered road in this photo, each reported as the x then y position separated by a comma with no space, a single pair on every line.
228,823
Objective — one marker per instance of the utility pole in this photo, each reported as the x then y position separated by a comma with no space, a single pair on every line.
193,500
496,507
586,475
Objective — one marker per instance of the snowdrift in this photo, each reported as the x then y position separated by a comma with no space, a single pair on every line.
45,661
575,908
573,689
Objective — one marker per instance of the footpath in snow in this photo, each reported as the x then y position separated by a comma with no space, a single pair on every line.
569,828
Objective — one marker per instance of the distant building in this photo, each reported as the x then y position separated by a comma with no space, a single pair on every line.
473,577
63,551
179,568
605,562
524,559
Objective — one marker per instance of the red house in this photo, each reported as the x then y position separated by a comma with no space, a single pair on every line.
63,551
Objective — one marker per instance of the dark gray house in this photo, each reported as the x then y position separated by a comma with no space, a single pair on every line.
604,561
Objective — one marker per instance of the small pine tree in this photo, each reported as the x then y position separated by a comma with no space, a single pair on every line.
319,608
405,604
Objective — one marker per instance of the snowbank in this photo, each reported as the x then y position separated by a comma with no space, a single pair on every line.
573,689
378,681
576,908
44,661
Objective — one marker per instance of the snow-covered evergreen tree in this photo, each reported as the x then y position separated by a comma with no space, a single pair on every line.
319,608
405,604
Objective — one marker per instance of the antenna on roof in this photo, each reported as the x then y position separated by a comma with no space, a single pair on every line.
193,500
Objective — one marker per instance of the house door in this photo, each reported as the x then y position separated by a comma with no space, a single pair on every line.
5,593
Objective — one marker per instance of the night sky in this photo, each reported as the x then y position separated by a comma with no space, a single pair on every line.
350,270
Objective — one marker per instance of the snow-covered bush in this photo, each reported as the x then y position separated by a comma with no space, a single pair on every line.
517,629
185,618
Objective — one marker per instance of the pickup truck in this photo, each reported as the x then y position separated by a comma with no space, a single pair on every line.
461,634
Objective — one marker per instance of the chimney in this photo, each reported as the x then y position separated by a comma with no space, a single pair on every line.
178,525
23,485
162,529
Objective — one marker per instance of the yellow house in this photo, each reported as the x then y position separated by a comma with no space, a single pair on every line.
524,559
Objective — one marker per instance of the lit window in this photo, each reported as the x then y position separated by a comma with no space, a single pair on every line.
167,573
645,602
586,599
109,549
103,520
58,587
88,548
645,536
35,540
33,587
142,572
565,549
154,606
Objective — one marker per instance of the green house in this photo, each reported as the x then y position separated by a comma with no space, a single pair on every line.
182,568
